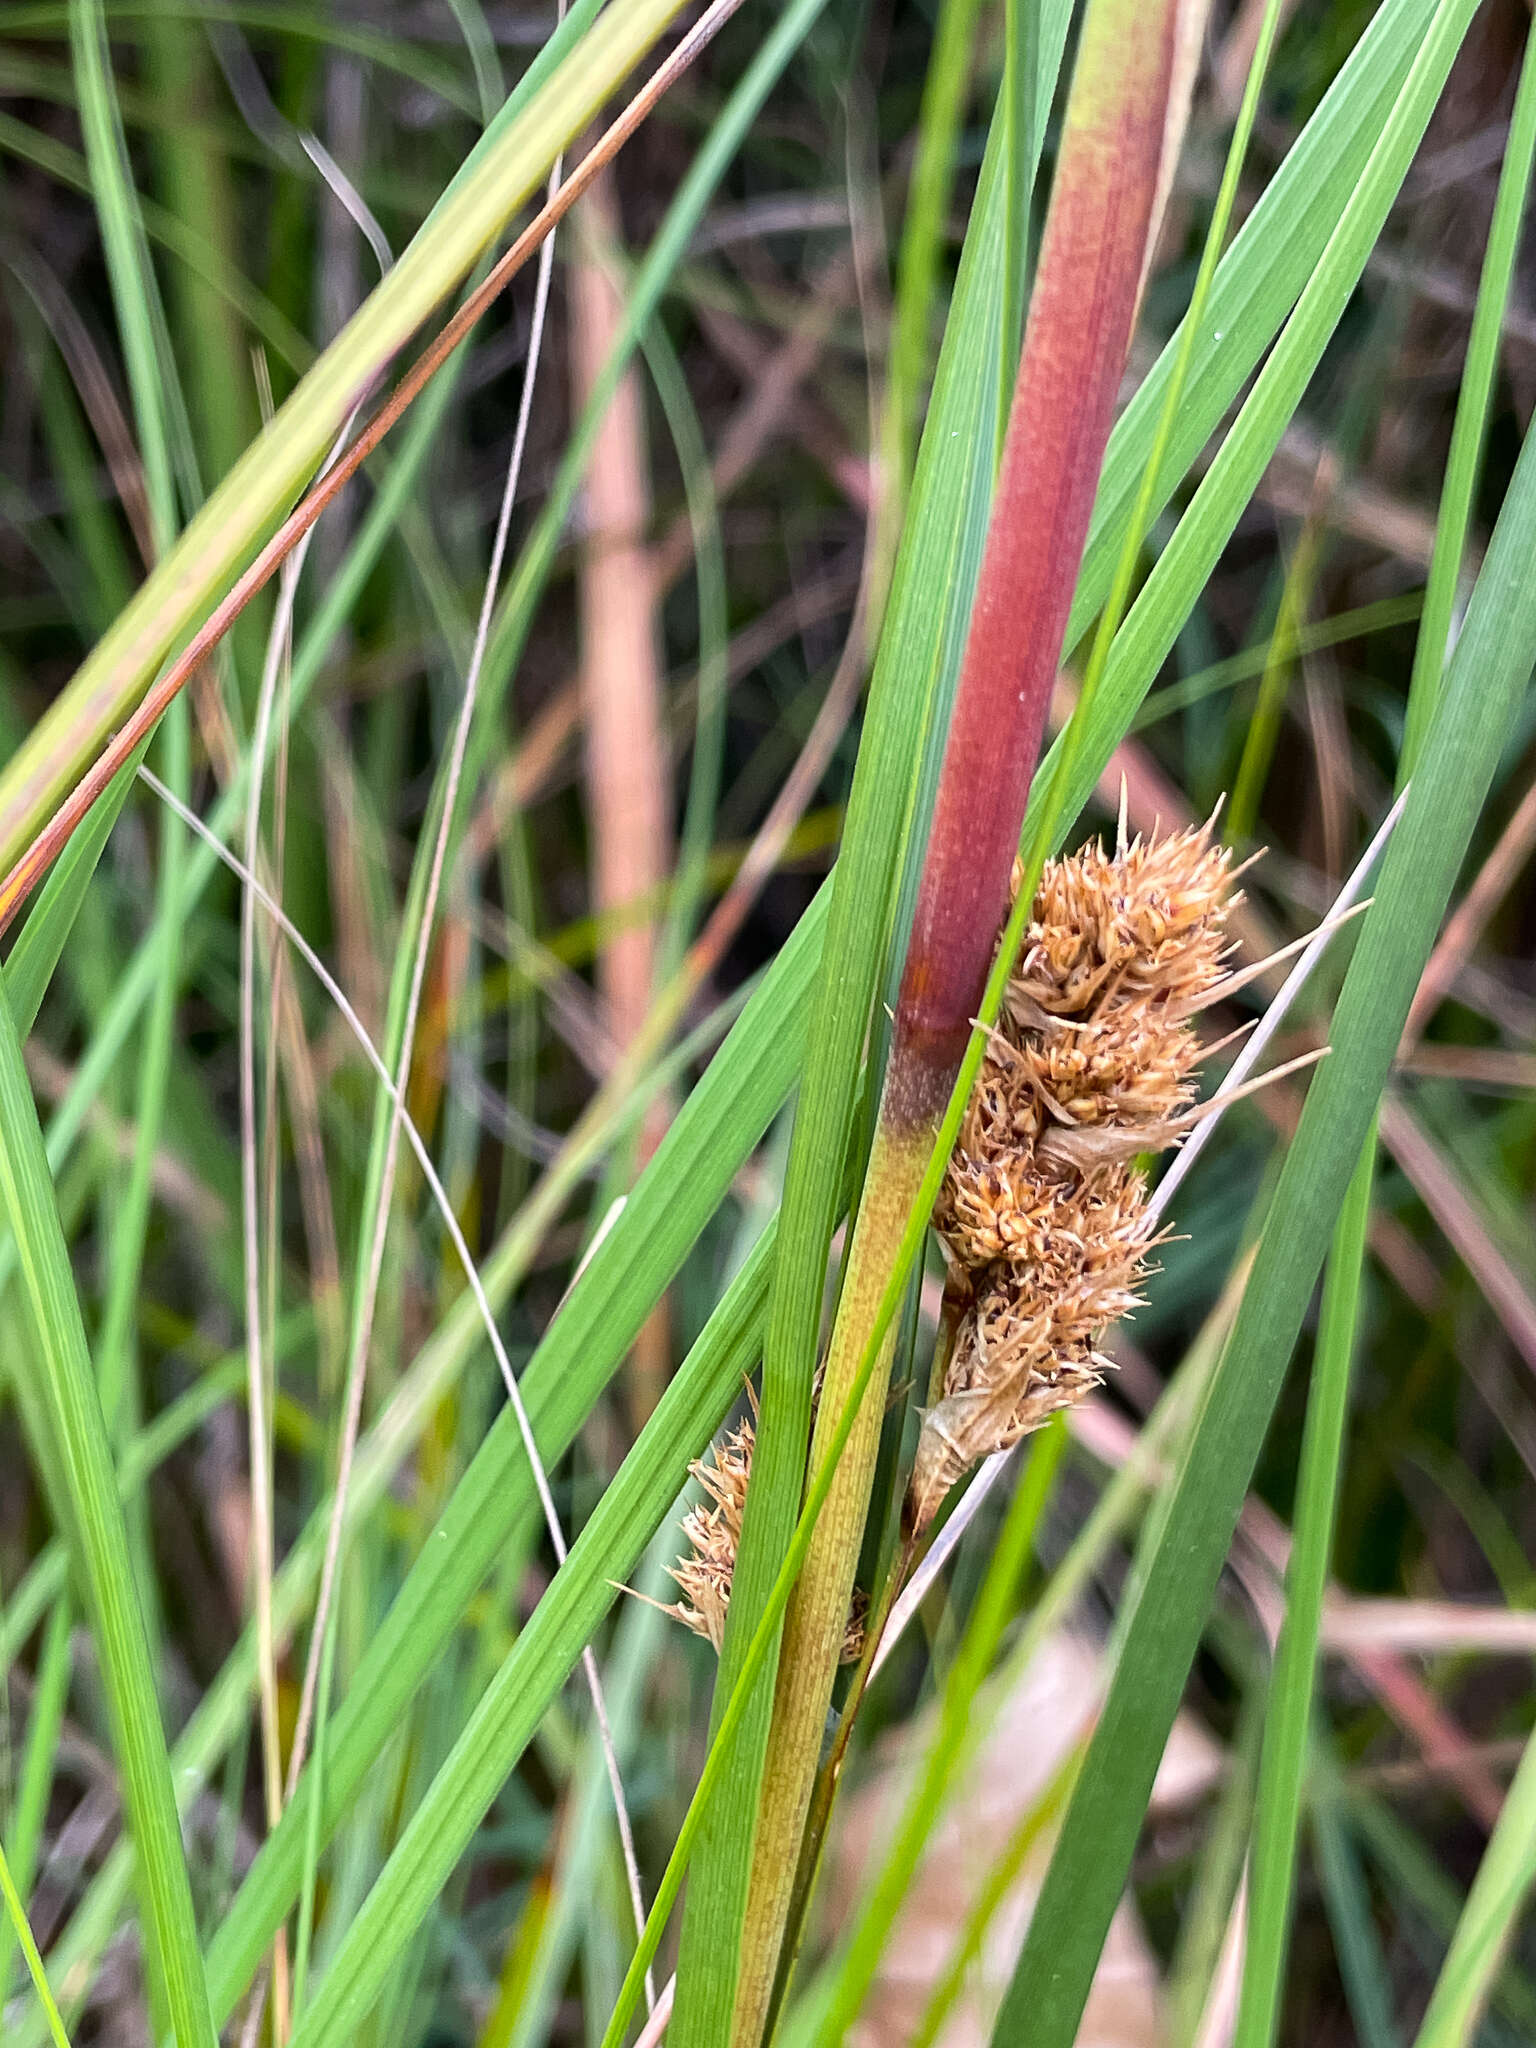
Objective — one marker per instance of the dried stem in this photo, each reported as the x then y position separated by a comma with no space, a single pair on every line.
621,688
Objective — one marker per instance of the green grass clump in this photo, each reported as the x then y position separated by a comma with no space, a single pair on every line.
1295,1527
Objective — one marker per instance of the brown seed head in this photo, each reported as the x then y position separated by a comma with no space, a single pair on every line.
1041,1209
1143,921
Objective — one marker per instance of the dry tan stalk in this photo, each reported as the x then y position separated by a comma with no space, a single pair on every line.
1190,27
1042,1211
1235,52
621,689
620,672
1479,1066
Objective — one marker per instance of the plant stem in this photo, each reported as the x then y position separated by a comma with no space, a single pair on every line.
829,1777
1081,315
818,1609
954,1744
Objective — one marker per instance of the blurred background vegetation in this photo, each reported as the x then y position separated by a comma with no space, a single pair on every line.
689,690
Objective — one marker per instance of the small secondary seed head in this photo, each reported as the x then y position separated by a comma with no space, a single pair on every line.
713,1530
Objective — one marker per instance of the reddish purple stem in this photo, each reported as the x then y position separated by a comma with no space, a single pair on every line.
1082,311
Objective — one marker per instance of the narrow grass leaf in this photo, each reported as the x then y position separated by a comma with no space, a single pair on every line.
1290,1710
915,669
57,1391
500,173
16,1914
1487,677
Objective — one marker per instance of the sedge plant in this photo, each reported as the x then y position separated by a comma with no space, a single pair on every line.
1082,309
448,1850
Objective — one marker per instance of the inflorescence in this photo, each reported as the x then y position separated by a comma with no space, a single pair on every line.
1043,1209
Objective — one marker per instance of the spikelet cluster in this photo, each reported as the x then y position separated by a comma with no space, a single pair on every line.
1042,1211
713,1530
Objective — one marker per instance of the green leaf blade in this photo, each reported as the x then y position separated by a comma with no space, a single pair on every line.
1488,675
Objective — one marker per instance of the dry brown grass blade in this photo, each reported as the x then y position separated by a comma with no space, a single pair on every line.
620,670
1188,48
49,842
629,831
655,2027
359,946
315,1202
1469,920
774,379
1428,1628
1440,1188
1234,57
1479,1066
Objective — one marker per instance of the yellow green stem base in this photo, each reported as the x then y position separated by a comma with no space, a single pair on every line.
818,1610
